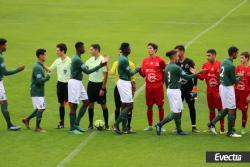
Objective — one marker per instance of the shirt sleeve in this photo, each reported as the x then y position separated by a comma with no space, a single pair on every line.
113,68
5,71
38,75
184,75
202,76
132,66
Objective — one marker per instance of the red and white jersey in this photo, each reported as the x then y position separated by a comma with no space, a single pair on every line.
244,83
212,75
153,69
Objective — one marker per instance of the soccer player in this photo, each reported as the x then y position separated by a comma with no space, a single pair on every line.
37,90
242,88
97,85
62,64
227,80
173,73
3,97
212,78
125,88
189,86
76,90
117,98
153,70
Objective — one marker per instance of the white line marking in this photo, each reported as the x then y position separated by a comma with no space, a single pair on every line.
93,134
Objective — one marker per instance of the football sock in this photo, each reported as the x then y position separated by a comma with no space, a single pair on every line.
150,117
231,120
122,117
81,113
4,108
169,118
129,119
177,120
39,116
72,117
33,114
91,115
192,112
62,114
106,116
244,118
117,113
211,115
161,114
222,123
219,116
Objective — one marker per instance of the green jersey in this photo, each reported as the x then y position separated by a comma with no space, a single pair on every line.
38,80
3,70
78,67
124,70
227,73
173,74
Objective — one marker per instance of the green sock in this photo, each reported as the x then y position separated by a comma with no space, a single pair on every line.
4,108
169,118
33,114
72,117
177,120
219,116
80,115
230,119
124,121
122,117
39,116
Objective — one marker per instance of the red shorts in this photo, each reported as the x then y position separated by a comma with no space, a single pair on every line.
241,100
154,94
213,100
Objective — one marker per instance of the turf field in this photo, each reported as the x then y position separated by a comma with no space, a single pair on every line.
29,25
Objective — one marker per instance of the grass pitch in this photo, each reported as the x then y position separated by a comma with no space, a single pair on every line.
29,25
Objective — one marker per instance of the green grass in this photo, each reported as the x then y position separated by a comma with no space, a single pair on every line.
29,25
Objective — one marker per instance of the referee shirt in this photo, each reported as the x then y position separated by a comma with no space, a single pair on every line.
63,69
96,76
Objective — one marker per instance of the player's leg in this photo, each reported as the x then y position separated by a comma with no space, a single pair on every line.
91,90
118,103
39,104
241,103
192,111
149,117
27,119
81,112
62,90
244,121
159,100
149,102
102,101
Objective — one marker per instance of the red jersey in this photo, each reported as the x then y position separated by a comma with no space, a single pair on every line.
244,83
212,75
153,69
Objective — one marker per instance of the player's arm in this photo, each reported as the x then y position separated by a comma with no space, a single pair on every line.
128,70
38,74
192,64
113,69
104,83
10,72
85,69
201,76
235,78
186,76
142,71
52,67
133,78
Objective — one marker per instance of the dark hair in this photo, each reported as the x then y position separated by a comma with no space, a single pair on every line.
170,53
2,41
62,47
232,50
96,47
155,46
125,48
79,44
40,52
180,47
212,51
245,54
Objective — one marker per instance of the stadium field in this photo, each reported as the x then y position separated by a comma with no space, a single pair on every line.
200,25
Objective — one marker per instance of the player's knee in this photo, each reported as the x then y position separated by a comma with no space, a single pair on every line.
86,103
150,108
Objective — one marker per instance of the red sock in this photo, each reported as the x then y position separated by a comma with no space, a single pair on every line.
244,118
150,117
211,115
161,114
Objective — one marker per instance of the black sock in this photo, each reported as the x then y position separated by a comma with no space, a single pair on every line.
33,114
39,116
192,112
91,116
80,115
72,117
129,119
62,114
4,108
106,116
117,113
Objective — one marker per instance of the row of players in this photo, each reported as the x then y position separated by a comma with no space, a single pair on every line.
180,82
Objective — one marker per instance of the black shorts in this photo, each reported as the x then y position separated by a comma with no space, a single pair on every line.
117,98
62,92
93,90
186,95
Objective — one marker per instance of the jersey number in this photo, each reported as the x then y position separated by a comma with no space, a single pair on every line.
222,71
169,75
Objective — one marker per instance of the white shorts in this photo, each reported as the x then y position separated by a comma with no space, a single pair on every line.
2,92
76,91
227,95
175,101
125,91
39,103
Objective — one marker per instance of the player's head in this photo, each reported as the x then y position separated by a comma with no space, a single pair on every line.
80,48
244,57
233,52
41,54
180,50
61,49
211,55
95,49
3,45
152,48
172,54
125,49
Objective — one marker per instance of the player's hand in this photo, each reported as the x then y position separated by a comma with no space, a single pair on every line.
105,61
21,67
138,67
240,74
192,70
47,69
248,99
47,77
202,71
101,92
194,93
